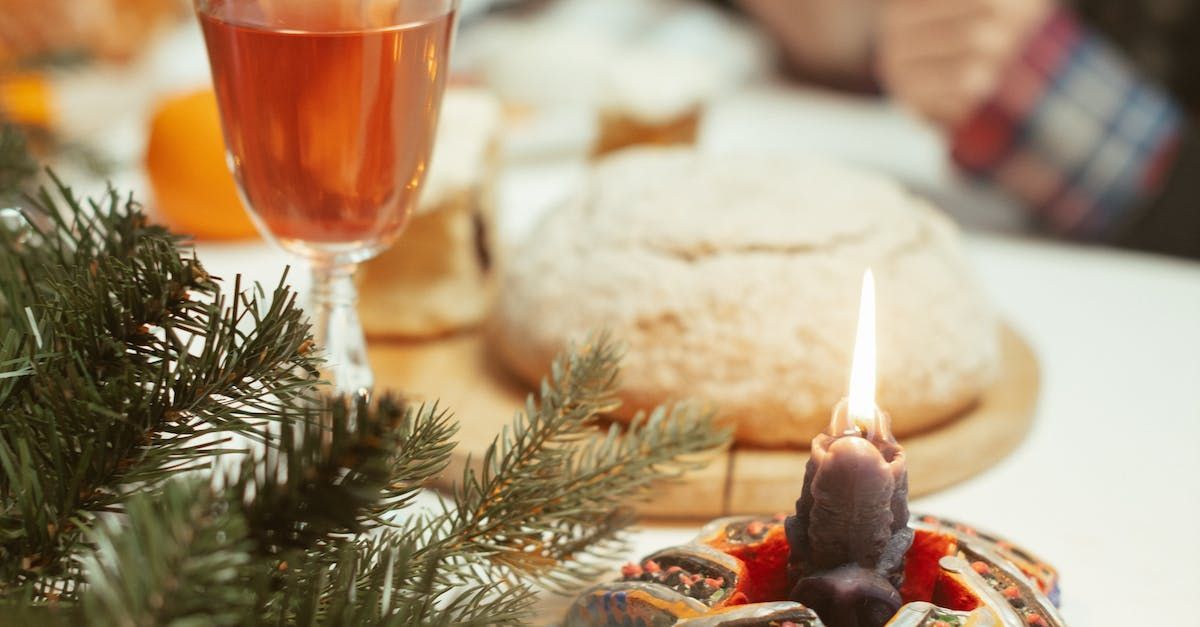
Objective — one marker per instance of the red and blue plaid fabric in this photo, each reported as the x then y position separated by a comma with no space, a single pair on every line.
1072,131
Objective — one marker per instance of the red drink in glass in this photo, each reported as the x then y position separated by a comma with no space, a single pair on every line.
329,131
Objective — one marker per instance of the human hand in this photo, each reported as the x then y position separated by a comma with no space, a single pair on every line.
824,40
942,58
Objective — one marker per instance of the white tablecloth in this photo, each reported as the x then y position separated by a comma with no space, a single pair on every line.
1107,486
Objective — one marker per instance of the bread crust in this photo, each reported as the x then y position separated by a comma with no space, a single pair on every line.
735,280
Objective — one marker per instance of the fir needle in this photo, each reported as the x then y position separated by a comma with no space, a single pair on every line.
37,333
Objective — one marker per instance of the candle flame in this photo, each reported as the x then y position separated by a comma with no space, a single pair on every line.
861,403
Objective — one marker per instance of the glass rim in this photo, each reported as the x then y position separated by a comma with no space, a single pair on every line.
433,10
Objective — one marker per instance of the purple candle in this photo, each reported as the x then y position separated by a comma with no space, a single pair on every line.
850,532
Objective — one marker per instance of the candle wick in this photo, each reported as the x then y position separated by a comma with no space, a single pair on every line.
858,427
843,423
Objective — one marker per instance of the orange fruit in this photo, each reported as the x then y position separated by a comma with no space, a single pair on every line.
194,192
26,99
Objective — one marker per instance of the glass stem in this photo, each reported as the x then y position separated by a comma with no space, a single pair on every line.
337,330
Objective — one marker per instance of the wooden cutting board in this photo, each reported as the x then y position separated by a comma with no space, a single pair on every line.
459,372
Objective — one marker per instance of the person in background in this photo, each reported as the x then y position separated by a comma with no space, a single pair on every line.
1085,111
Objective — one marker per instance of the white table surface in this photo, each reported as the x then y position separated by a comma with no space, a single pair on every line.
1107,485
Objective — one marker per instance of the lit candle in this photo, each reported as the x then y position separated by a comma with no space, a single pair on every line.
850,532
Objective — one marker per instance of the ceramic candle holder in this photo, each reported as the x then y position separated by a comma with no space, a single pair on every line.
735,574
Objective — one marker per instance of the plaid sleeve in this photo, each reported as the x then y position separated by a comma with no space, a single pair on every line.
1072,131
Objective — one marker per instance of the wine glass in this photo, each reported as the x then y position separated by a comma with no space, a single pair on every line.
329,109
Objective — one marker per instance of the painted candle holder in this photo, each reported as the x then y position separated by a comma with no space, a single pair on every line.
734,573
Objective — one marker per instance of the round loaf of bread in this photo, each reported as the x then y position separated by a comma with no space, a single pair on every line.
735,280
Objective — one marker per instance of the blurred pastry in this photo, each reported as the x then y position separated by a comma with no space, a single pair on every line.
111,30
638,72
436,279
736,278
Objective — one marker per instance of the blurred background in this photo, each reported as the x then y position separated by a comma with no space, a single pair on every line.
1063,120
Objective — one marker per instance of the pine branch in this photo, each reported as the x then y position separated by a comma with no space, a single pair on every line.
474,563
546,506
423,443
388,579
175,558
137,371
279,543
341,471
283,543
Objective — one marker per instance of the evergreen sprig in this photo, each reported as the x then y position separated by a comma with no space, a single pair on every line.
167,457
513,516
125,367
174,556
